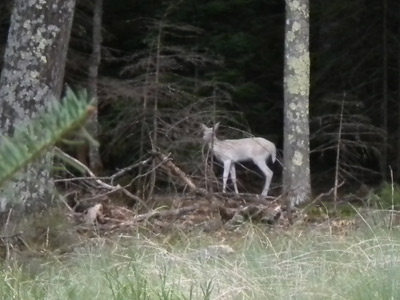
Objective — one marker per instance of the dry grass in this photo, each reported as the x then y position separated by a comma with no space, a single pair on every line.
252,264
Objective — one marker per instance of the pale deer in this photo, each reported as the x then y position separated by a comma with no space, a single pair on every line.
229,152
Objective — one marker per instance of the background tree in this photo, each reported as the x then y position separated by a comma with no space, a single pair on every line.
354,50
95,162
32,74
296,175
162,98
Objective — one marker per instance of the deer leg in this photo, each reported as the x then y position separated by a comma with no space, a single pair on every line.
233,177
227,170
268,175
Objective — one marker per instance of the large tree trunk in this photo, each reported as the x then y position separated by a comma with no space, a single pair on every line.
296,175
32,74
93,125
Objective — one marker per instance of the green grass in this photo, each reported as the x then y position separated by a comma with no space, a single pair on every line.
264,265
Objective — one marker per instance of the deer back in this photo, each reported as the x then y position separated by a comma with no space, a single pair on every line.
243,149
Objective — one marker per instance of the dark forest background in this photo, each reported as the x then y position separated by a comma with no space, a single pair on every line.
169,65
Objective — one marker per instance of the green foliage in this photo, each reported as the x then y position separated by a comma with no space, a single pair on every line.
121,288
326,210
322,213
30,141
388,195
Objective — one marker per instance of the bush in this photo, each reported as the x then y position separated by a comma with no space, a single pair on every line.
388,194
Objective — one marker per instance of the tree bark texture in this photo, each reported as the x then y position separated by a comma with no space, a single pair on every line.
93,125
33,73
296,175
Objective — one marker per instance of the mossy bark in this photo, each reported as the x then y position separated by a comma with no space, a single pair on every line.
296,176
33,73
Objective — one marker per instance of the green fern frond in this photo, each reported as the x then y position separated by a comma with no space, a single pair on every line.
30,141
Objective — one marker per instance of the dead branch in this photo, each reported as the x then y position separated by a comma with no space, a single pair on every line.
254,212
112,177
178,212
182,175
155,214
109,187
151,170
247,198
323,195
128,168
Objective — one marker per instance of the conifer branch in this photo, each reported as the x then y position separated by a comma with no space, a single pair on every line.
30,141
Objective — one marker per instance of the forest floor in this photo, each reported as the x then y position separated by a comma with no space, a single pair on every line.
186,256
223,246
202,212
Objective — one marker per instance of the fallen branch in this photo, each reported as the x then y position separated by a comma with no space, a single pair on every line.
128,168
107,186
245,198
182,175
252,212
112,177
178,212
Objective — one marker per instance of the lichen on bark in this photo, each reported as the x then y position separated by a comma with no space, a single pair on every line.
298,82
33,73
296,175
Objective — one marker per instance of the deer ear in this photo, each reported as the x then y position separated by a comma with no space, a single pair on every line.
204,127
216,126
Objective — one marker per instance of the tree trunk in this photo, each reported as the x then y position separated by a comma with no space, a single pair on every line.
154,141
296,175
398,106
385,95
93,125
32,74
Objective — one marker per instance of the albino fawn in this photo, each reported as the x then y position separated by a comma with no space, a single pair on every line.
231,151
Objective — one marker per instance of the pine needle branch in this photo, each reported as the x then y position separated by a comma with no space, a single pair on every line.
30,141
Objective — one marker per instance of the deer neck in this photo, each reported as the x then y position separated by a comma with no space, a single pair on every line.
213,142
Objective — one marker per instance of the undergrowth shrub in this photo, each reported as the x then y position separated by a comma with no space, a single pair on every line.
387,195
